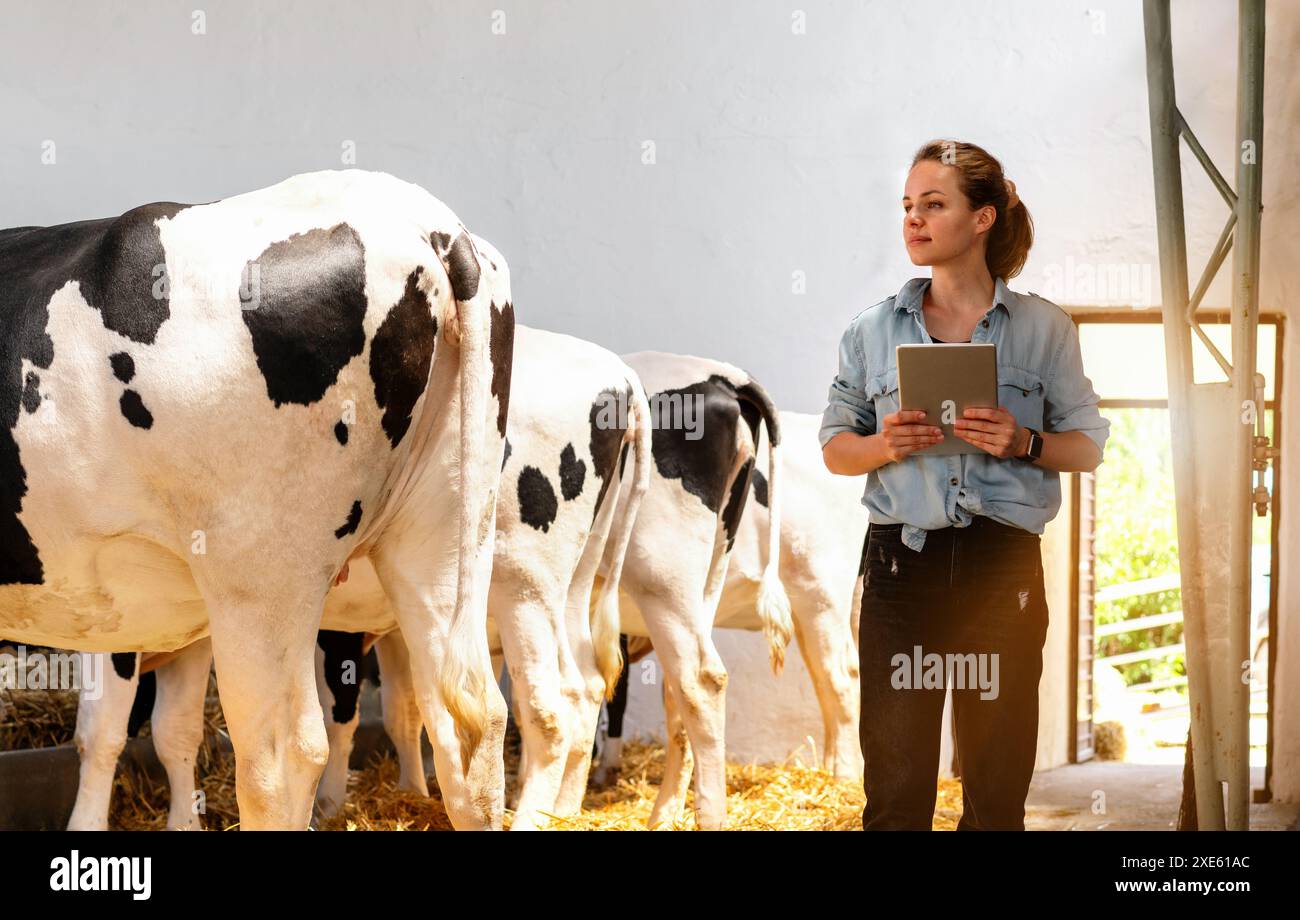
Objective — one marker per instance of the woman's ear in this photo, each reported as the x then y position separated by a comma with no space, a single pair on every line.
985,218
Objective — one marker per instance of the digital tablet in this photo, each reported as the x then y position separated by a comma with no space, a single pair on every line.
945,380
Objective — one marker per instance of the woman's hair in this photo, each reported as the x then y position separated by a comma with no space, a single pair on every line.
982,182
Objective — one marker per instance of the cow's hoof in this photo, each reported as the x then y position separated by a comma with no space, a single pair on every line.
603,778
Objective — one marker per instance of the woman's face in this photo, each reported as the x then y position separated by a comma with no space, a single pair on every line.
938,223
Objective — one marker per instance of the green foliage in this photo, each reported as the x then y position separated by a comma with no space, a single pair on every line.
1137,537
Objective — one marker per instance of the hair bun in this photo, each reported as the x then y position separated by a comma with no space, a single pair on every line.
1012,198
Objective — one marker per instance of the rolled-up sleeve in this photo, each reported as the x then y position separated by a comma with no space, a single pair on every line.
1069,401
848,408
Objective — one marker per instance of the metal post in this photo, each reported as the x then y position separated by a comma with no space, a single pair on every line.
1212,423
1235,766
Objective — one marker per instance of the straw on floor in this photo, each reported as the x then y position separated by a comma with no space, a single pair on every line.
789,796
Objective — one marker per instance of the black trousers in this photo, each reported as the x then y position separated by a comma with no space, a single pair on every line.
969,611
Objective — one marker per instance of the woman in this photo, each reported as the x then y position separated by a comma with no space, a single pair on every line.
953,566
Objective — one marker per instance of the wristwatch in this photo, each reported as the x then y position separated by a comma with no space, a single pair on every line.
1035,448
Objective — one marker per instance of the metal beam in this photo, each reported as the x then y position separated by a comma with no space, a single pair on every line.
1212,424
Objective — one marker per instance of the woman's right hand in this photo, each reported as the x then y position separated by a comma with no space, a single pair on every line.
904,432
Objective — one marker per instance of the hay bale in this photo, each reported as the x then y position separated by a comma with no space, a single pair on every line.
1109,741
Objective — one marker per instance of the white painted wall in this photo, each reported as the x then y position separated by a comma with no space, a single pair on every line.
768,718
776,152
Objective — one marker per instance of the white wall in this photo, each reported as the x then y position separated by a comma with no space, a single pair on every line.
776,153
768,717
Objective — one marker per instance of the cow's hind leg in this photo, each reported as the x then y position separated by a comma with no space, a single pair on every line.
472,788
100,736
670,803
262,640
401,711
826,641
546,689
585,711
338,687
178,728
697,678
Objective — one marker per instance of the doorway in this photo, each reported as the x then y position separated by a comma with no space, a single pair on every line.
1130,687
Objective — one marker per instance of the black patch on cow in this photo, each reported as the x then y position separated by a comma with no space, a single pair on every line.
135,411
124,664
370,668
760,487
400,356
341,432
123,366
704,463
463,268
440,242
115,256
32,392
351,524
608,426
537,501
341,650
756,399
306,321
749,412
146,694
501,349
118,263
505,454
736,502
572,473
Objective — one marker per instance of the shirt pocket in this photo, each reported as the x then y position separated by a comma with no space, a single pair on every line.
1021,391
882,389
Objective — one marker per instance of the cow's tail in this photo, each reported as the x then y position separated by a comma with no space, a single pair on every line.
605,621
466,678
773,602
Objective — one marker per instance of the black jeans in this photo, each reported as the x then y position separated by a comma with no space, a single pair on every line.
968,611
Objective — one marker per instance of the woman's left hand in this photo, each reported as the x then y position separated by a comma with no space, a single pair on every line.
993,430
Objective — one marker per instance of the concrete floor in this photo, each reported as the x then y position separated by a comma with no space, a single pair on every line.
1128,796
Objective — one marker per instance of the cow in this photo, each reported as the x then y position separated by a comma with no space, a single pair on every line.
576,414
207,410
707,415
823,530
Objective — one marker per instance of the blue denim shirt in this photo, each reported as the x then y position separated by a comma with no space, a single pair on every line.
1040,380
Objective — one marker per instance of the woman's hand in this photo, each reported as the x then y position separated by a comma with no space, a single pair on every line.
903,432
993,430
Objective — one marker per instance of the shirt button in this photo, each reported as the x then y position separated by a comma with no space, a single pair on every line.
953,480
985,324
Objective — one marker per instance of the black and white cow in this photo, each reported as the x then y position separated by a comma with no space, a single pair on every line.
206,410
823,526
576,414
707,416
577,411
